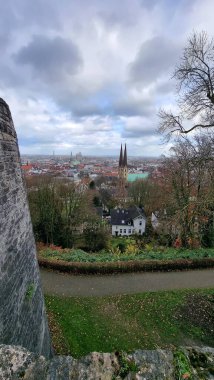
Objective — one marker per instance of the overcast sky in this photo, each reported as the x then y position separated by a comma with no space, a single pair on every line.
87,75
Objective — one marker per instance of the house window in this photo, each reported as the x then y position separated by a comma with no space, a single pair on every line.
121,231
130,231
140,223
139,231
123,221
124,231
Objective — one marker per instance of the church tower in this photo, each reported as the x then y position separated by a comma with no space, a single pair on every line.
122,172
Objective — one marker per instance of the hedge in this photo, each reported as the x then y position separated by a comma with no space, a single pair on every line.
126,266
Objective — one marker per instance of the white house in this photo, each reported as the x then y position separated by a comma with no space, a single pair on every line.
154,220
126,222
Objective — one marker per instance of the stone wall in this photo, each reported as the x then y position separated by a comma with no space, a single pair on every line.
191,363
22,312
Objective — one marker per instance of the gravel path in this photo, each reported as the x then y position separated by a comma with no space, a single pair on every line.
55,283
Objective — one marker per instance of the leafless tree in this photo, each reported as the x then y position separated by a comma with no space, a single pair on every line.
195,86
190,175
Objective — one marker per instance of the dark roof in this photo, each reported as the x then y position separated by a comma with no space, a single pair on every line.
121,156
125,215
125,157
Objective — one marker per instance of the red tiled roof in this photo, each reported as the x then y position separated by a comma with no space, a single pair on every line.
27,167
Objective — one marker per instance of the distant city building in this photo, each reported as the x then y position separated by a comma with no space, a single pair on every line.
79,156
71,158
135,176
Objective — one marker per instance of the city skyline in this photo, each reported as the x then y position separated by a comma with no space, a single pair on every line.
88,76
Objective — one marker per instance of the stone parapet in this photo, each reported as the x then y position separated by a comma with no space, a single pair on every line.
195,363
22,312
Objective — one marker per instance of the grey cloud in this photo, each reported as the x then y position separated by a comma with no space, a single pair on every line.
21,14
149,3
139,132
138,127
113,15
4,41
133,107
51,58
30,141
87,108
85,102
155,58
166,87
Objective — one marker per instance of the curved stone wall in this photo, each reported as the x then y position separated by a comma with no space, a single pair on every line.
22,312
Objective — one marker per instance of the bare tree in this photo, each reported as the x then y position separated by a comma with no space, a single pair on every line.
147,194
191,180
195,85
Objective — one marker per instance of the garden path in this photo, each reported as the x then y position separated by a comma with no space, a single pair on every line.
55,283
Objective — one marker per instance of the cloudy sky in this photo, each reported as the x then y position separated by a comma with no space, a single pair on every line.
87,75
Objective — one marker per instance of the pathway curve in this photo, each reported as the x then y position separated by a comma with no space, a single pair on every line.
55,283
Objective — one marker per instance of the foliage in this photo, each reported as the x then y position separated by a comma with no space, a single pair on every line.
149,231
96,201
202,363
30,292
46,215
189,184
132,249
121,246
126,365
96,235
147,194
182,366
59,211
125,323
116,251
129,266
106,198
207,231
92,185
131,254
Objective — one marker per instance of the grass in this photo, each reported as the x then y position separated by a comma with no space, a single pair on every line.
182,366
130,322
78,255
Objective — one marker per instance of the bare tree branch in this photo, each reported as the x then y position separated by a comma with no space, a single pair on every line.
195,85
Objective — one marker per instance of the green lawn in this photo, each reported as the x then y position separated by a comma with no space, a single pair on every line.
126,323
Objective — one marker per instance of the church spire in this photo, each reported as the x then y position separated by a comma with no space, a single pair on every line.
125,157
121,156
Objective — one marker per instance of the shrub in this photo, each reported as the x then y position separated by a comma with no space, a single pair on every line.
126,266
132,249
122,246
116,251
148,247
96,237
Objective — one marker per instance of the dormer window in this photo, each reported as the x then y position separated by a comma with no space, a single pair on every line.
140,223
123,221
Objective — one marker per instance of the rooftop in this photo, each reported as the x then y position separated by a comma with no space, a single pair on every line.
134,176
